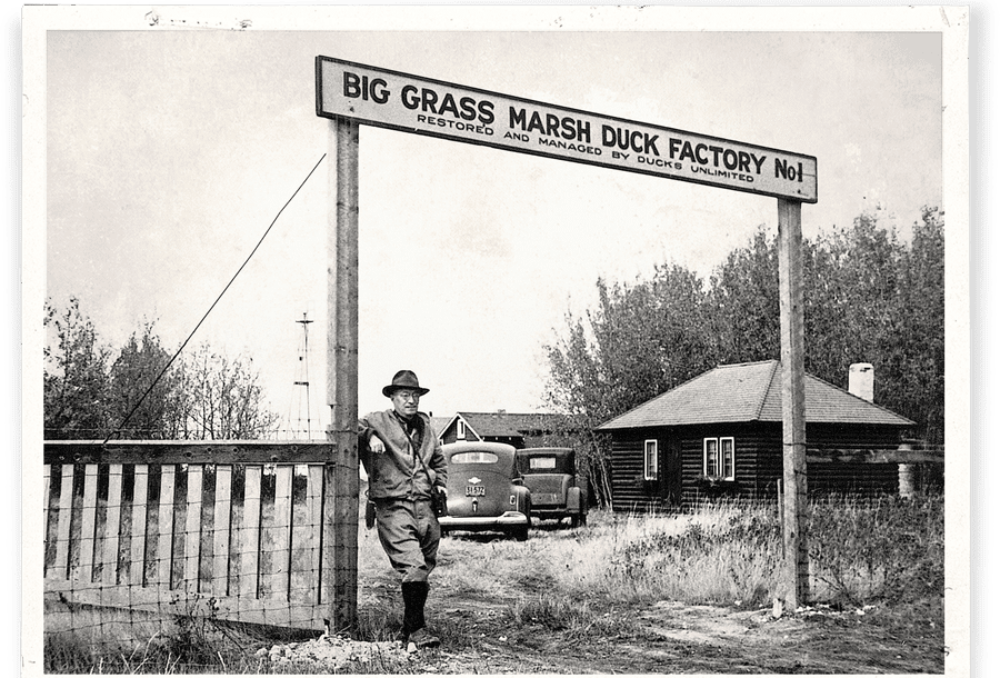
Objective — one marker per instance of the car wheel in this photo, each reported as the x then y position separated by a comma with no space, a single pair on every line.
583,520
574,522
521,533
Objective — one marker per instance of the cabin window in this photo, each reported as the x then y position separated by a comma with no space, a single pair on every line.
720,458
460,430
650,460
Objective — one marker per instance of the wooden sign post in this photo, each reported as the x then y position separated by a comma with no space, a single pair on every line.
348,93
793,423
342,483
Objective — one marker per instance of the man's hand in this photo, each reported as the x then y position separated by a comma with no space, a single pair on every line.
443,490
375,445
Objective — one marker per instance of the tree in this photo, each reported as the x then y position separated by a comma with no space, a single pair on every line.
871,298
142,395
223,399
853,302
921,342
745,305
146,401
575,387
75,376
641,340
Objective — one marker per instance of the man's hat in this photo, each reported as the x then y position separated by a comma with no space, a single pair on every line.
404,379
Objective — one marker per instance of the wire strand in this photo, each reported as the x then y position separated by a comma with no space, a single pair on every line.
214,303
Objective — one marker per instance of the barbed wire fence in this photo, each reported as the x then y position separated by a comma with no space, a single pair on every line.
146,540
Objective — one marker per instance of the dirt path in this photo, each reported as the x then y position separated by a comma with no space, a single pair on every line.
674,638
485,606
664,638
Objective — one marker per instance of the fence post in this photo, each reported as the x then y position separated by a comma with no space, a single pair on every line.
343,480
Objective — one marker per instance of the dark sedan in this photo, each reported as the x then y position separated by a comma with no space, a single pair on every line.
485,490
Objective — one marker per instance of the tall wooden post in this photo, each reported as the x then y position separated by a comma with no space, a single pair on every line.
340,515
794,509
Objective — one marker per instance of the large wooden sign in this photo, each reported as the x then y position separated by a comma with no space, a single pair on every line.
410,103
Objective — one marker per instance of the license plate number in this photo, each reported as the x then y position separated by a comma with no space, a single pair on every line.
475,491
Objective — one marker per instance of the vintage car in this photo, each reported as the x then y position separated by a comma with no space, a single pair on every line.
485,491
556,490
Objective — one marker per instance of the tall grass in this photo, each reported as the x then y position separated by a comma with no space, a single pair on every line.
93,640
719,555
861,552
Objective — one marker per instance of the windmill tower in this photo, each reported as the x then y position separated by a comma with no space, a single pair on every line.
302,423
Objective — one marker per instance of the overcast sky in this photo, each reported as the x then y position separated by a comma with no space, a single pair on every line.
169,152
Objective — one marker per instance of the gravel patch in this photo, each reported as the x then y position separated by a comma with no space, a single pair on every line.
334,652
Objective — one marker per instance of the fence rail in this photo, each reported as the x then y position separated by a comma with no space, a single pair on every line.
234,530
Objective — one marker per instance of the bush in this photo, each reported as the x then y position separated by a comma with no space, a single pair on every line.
885,550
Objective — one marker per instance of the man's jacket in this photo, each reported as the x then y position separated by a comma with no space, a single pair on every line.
396,473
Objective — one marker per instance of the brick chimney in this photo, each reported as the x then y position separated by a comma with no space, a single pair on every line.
861,381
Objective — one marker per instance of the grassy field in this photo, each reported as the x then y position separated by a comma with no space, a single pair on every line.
628,593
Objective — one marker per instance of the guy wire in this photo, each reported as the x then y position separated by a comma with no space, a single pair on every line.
212,307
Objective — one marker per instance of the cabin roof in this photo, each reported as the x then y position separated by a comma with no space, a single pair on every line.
749,392
509,425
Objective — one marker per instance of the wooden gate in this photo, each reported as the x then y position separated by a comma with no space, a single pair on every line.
238,530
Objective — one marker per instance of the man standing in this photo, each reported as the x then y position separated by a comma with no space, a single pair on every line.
401,455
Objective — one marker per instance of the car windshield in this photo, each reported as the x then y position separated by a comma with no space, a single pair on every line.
542,462
475,457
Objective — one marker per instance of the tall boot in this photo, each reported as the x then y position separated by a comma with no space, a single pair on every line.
419,636
420,591
413,607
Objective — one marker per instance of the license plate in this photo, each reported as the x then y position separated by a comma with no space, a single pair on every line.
475,491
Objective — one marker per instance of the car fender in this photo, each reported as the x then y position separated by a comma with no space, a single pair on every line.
522,498
574,500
